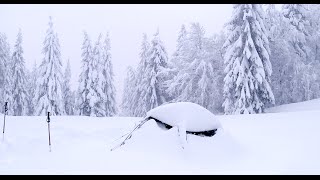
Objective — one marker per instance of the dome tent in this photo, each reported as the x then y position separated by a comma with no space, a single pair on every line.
189,118
196,119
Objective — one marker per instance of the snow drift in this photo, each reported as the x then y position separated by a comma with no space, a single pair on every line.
274,143
312,105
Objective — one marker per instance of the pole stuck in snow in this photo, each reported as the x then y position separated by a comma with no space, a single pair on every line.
4,118
48,120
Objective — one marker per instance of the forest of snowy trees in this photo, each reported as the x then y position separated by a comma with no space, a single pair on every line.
263,57
47,87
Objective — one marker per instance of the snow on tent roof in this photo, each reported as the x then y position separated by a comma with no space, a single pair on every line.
195,117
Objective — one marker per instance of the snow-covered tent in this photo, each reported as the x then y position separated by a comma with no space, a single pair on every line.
187,117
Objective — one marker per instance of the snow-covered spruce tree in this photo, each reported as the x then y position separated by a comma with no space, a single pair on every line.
153,91
272,22
7,84
177,63
283,56
282,59
194,81
19,92
128,91
73,99
181,59
312,78
214,54
294,76
296,14
314,29
96,95
178,57
67,94
2,67
248,69
31,84
136,106
49,84
83,104
107,79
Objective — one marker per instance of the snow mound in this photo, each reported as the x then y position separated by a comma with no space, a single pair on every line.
311,105
191,116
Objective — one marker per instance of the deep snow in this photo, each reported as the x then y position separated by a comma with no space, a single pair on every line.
311,105
274,143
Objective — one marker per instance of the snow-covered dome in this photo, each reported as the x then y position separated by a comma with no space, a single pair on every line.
193,117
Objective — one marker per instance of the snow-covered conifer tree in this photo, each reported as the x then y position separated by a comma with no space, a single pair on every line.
7,79
153,92
107,79
19,92
178,63
136,106
178,57
49,84
67,94
195,81
128,91
2,66
296,14
248,69
31,85
83,104
96,95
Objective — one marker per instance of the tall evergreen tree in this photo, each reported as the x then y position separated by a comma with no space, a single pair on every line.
2,66
31,84
19,92
107,79
178,57
293,43
178,62
49,85
67,93
153,91
7,79
248,69
128,93
96,95
297,15
198,76
83,104
137,106
195,73
282,57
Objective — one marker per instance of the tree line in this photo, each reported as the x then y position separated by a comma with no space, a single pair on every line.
263,57
47,87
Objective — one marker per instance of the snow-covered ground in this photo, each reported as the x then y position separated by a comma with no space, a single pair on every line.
274,143
312,105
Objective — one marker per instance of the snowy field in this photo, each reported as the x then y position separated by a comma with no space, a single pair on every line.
311,105
273,143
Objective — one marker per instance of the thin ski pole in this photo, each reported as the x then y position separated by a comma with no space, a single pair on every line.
4,125
48,120
4,118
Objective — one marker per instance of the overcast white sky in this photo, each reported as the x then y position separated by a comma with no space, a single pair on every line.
125,24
